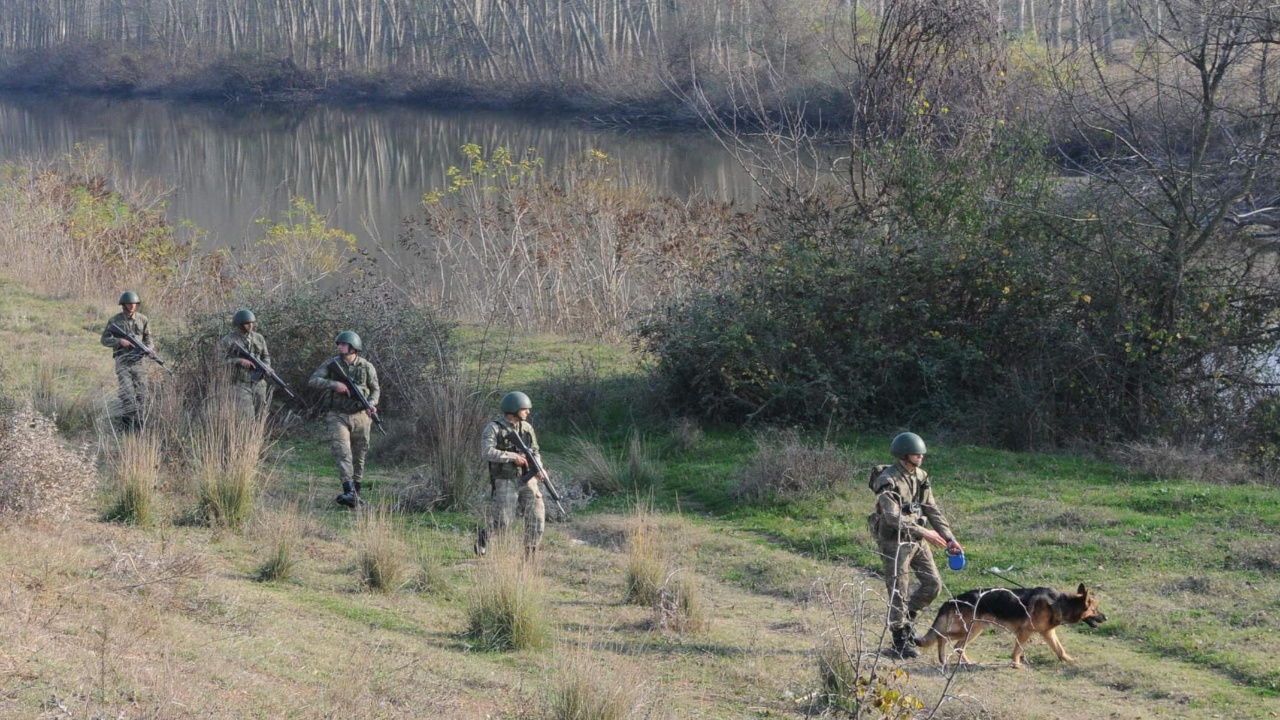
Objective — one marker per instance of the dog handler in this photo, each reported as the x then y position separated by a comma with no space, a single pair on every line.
904,501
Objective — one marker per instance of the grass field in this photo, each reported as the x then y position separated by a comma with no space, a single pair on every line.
170,620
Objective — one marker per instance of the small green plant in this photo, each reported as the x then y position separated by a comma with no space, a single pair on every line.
381,563
507,608
877,695
283,536
135,467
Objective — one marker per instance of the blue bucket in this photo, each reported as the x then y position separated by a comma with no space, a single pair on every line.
956,561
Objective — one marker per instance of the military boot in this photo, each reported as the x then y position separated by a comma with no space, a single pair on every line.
356,485
904,643
348,497
482,542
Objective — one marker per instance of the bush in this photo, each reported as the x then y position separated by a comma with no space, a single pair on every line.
283,534
381,562
680,606
585,688
225,453
40,477
646,564
634,471
135,467
784,466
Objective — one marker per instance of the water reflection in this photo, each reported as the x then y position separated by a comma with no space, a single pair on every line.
367,167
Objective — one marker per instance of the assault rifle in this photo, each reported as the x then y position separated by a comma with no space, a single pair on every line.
263,368
355,393
536,469
141,347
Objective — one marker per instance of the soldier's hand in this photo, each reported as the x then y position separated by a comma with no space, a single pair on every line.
933,538
245,363
373,410
953,547
341,389
125,343
521,461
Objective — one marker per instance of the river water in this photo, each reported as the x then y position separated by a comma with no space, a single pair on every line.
365,167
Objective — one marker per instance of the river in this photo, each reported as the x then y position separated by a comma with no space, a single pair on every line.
224,167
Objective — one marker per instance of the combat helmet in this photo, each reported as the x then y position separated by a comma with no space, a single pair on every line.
515,401
242,317
129,297
907,443
350,338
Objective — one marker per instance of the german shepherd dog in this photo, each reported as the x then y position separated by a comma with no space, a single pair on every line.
1023,612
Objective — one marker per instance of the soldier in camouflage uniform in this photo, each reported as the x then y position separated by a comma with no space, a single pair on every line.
131,371
512,496
248,384
904,501
349,423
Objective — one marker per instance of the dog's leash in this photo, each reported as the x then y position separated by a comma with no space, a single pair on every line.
1002,576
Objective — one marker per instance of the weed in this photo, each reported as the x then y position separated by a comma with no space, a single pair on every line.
430,576
381,562
225,452
602,474
135,466
451,413
507,608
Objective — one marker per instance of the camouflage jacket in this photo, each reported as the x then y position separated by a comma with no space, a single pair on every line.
362,374
498,448
904,500
254,343
138,326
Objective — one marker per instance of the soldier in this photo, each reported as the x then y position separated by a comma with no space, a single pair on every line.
904,501
248,383
349,422
507,466
131,372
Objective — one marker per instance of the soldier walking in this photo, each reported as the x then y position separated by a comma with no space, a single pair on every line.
348,420
904,502
248,382
131,373
513,493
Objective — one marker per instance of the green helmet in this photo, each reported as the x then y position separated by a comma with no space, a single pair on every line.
515,401
350,338
242,317
129,297
908,443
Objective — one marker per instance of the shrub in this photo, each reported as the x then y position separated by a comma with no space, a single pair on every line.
878,694
135,467
785,466
40,477
507,607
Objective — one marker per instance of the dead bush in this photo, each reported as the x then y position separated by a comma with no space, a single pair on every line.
785,466
41,477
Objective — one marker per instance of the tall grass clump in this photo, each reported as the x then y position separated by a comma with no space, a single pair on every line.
635,470
786,466
40,477
73,411
135,468
382,556
282,534
646,562
507,607
680,605
225,452
586,688
451,412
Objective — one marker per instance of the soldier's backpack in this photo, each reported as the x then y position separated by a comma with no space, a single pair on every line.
873,520
875,473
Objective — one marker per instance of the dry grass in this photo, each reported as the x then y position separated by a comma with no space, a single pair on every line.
1164,460
382,560
281,535
681,609
225,452
586,688
635,471
507,608
135,468
451,413
646,559
40,478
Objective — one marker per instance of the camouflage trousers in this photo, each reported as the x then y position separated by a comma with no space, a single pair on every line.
512,498
901,558
251,398
132,379
349,439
